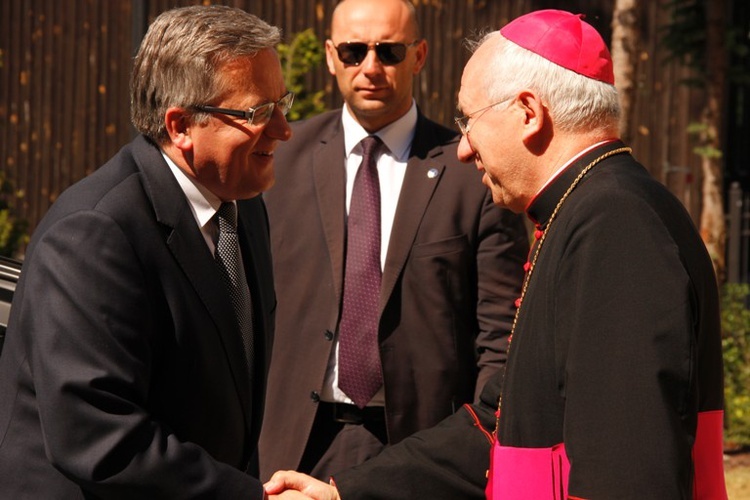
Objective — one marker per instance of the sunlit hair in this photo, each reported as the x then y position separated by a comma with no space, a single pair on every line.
180,56
575,102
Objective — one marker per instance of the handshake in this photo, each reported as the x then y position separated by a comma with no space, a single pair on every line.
288,485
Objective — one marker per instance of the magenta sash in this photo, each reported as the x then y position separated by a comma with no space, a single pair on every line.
708,457
528,473
542,473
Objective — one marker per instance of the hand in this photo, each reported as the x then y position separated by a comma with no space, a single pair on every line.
283,481
288,495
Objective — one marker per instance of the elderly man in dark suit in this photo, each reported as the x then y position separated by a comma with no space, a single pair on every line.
429,317
127,372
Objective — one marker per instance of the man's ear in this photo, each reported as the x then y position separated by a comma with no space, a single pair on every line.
421,54
178,125
535,114
331,57
537,130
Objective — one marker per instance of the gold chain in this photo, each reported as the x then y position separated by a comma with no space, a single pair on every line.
536,256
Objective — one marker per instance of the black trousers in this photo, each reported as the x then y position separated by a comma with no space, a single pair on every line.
343,436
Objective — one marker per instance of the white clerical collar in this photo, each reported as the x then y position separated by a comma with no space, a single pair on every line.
397,136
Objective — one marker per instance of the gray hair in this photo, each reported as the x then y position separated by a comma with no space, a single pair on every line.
576,103
179,58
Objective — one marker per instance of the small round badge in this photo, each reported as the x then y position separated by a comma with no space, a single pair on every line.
432,173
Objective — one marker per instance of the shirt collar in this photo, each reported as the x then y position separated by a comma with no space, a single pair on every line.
203,203
397,136
543,204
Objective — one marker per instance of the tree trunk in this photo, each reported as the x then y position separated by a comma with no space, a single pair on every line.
625,43
712,222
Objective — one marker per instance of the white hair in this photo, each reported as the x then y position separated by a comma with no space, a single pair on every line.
575,102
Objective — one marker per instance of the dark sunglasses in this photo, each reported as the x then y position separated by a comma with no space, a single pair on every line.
389,53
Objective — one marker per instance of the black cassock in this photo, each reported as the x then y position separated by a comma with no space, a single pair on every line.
616,352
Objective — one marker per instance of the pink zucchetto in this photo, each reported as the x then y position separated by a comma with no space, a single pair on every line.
564,39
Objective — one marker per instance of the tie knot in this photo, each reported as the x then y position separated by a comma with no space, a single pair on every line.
370,145
227,217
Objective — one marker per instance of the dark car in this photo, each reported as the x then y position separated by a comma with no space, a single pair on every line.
9,271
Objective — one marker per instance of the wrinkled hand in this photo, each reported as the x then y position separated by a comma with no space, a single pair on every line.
283,482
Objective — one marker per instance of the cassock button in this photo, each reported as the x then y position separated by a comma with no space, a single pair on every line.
315,396
527,266
538,234
328,335
518,303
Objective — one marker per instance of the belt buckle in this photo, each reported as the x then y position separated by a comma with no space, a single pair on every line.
347,414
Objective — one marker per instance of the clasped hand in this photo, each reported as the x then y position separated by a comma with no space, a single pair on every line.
288,485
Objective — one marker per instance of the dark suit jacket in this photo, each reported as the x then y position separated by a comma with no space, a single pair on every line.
452,273
123,373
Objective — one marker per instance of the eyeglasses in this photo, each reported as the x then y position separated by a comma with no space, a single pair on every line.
258,115
389,53
463,121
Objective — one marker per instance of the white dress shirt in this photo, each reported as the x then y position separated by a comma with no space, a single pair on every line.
203,203
397,138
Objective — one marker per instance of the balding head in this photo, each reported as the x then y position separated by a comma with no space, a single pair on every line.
398,9
374,53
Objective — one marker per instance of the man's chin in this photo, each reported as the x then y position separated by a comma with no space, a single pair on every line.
369,105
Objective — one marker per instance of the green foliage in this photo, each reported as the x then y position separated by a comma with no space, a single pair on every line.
706,150
12,230
685,38
303,54
735,326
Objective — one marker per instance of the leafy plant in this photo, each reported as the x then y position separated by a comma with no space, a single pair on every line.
685,38
12,229
298,58
735,327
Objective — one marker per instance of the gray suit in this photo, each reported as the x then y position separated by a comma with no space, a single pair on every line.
452,273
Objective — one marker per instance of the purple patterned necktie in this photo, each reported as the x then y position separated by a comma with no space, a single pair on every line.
360,373
228,259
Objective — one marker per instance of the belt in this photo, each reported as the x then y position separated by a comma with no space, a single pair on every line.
351,414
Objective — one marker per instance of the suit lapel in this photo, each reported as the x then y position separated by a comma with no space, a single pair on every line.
423,172
185,241
330,186
253,257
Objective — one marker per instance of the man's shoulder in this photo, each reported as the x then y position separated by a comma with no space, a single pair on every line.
316,124
441,131
117,188
430,134
307,134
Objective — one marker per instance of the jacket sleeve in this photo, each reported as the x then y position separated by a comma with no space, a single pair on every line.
448,461
502,250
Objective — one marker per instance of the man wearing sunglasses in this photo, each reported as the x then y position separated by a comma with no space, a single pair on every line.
127,371
449,263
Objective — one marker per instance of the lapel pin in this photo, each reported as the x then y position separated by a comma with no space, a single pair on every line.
432,173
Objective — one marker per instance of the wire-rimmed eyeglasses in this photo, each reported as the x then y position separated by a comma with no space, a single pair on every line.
257,115
463,121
